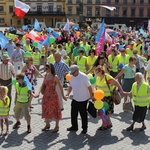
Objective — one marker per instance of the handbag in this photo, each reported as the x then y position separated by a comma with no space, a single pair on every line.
127,106
92,110
116,96
43,87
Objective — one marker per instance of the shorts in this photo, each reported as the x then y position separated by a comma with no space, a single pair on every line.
22,108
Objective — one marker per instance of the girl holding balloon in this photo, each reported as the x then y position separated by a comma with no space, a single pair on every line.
106,83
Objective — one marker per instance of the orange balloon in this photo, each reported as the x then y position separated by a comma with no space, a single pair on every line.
98,94
68,77
78,33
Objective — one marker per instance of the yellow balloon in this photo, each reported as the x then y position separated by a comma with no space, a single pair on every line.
68,77
6,89
98,104
90,75
99,94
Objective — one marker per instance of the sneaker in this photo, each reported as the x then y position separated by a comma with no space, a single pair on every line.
72,129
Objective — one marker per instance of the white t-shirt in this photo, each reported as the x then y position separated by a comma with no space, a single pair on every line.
63,53
80,86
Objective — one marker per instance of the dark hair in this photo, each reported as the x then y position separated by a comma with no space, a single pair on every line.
132,58
20,76
92,51
51,67
97,60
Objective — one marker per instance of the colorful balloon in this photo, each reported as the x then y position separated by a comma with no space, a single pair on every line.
121,66
6,89
14,81
35,44
98,94
27,54
90,75
51,40
98,104
106,106
92,80
68,77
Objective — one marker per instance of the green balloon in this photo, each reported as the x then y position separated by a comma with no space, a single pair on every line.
14,81
51,40
35,44
92,80
106,106
144,58
27,54
5,53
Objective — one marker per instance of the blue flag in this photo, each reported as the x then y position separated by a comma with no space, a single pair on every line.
49,29
100,32
55,34
11,28
3,40
25,27
37,25
46,41
39,46
143,33
29,85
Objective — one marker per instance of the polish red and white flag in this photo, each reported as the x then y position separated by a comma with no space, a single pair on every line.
21,8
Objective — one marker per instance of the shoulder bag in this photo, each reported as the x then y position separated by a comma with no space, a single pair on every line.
115,94
91,109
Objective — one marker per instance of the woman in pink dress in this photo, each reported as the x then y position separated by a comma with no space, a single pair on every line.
50,102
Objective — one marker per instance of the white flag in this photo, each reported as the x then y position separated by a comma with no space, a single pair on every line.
108,7
67,26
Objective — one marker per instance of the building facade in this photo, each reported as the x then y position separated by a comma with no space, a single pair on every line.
129,12
91,10
6,12
48,11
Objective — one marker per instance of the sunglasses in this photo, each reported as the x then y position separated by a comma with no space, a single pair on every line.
17,78
46,68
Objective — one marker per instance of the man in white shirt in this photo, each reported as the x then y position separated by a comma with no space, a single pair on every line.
82,91
62,51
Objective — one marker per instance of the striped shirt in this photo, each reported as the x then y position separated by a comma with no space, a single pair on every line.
6,71
61,69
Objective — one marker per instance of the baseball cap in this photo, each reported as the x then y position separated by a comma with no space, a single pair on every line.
73,68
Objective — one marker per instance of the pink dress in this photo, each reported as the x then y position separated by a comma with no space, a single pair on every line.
50,102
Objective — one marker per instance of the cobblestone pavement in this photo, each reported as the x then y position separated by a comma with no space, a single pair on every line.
116,138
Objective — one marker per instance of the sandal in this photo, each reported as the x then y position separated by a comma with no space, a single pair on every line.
102,128
46,128
109,126
55,130
16,125
28,129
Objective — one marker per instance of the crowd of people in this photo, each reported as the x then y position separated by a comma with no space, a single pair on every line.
120,64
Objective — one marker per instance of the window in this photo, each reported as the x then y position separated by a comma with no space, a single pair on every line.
51,8
141,12
116,12
148,12
59,8
39,8
69,10
89,11
89,1
97,11
78,1
97,1
124,11
133,1
133,12
11,10
2,20
116,1
69,1
141,1
107,12
18,22
77,10
125,1
108,1
1,9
